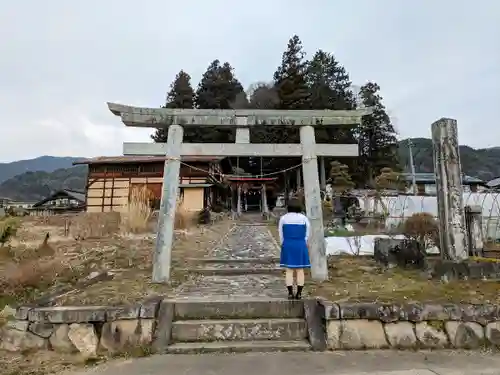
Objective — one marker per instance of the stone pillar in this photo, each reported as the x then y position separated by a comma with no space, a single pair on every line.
166,217
299,179
238,208
265,208
474,225
322,173
317,243
452,234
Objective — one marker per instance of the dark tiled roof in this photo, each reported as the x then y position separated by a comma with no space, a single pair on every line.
141,159
430,178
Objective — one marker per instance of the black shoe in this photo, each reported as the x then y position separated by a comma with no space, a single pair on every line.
299,292
290,292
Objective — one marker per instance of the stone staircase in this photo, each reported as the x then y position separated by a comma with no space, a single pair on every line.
226,326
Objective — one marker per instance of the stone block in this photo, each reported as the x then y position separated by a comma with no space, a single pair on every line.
384,250
68,314
331,309
239,329
149,308
314,314
13,340
492,333
356,334
119,335
401,335
22,312
238,309
122,312
59,340
43,330
465,335
333,332
162,337
431,334
147,329
84,338
19,325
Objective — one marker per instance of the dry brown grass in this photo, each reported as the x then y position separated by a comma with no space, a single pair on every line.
183,219
361,279
94,225
137,213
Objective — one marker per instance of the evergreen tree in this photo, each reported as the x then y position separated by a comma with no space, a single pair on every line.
329,87
218,89
181,95
328,83
376,137
290,77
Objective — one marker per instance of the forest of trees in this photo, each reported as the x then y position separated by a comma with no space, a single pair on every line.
320,82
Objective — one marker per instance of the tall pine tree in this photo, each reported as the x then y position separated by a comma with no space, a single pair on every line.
218,89
181,95
290,77
377,137
329,87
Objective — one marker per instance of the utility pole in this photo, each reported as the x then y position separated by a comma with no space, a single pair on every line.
412,166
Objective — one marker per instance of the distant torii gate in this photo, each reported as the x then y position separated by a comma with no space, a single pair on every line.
242,120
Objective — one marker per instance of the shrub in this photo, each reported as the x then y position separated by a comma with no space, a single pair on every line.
8,229
204,216
137,212
423,228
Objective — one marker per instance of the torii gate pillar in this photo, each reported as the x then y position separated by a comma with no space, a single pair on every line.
312,194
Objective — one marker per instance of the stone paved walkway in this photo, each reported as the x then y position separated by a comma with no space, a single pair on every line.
244,240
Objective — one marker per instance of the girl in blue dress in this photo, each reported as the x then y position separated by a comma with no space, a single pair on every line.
294,230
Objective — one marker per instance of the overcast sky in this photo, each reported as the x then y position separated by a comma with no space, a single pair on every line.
60,61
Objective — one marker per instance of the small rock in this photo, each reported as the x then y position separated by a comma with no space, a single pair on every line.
120,334
429,336
356,334
18,341
465,335
41,329
147,330
84,338
400,335
60,341
493,333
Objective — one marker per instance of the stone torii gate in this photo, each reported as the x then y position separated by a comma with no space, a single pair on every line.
242,120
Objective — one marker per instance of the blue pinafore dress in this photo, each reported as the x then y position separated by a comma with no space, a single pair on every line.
294,232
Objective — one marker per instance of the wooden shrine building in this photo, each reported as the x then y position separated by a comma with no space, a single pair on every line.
111,180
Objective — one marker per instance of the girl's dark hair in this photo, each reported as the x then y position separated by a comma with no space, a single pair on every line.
294,205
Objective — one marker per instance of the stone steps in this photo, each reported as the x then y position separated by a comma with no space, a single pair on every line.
234,271
238,347
263,260
239,325
239,330
249,308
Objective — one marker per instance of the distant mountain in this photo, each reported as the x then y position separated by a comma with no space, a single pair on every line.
43,163
483,163
34,186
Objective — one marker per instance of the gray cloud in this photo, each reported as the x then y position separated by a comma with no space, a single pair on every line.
60,61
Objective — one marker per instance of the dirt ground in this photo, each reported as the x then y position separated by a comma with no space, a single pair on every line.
30,268
33,268
361,279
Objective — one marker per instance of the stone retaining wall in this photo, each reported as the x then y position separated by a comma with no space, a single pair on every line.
85,329
91,330
412,326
